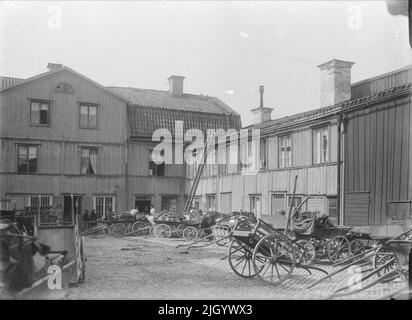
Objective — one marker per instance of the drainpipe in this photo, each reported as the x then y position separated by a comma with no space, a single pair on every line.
338,192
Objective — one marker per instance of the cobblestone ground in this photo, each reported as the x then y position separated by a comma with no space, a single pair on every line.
150,268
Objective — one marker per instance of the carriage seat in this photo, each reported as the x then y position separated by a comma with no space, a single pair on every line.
305,227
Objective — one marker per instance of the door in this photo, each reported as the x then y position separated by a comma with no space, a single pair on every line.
71,205
356,208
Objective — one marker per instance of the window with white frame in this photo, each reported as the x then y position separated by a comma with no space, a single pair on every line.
103,205
285,151
320,145
42,203
278,203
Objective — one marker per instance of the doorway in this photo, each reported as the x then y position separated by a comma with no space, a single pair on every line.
142,203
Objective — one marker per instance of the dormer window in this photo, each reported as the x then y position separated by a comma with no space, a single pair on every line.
39,112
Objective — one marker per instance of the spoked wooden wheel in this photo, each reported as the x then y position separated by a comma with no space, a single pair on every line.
338,249
221,232
190,233
140,228
274,259
240,259
382,256
179,230
305,253
356,247
162,231
119,229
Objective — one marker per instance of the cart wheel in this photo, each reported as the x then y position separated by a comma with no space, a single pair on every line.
179,230
274,259
338,249
356,247
82,277
140,228
240,259
306,252
382,256
162,231
190,233
118,229
219,232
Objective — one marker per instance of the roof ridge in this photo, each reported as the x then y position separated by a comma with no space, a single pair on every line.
341,105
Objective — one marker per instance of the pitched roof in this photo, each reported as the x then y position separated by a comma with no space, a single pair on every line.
17,82
143,121
165,100
7,81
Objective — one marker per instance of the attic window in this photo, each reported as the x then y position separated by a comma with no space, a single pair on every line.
64,88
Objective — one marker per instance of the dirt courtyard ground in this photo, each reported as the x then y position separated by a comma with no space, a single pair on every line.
150,268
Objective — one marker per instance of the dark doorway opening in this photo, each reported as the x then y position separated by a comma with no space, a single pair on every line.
71,204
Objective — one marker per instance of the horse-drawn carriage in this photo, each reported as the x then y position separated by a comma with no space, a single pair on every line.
257,249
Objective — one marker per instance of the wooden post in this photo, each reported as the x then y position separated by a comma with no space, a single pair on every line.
291,204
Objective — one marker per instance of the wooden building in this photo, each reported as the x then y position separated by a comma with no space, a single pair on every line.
352,155
377,157
64,135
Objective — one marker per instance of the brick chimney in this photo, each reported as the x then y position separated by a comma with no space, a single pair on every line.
335,84
176,85
261,113
54,66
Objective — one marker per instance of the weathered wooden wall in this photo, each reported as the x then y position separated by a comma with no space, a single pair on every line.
59,144
378,163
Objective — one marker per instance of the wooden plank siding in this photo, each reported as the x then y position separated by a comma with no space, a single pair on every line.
59,143
377,160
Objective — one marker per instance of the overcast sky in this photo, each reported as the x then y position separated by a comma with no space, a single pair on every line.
224,49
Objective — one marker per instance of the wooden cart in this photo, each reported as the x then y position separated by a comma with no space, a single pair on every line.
257,249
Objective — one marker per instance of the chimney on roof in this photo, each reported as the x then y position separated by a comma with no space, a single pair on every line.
261,113
54,66
176,85
335,86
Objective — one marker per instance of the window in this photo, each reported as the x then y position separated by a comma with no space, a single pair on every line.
103,205
285,151
88,116
88,160
156,169
255,205
142,203
262,151
169,203
278,203
197,201
224,160
333,209
39,203
39,113
27,159
211,202
320,145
